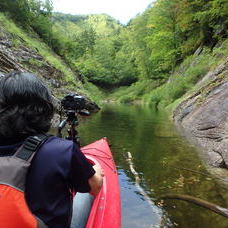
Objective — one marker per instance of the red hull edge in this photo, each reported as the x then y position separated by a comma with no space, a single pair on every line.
106,209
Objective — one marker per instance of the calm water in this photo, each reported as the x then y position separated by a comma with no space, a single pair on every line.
159,156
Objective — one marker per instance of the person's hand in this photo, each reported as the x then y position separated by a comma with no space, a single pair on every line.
98,170
96,181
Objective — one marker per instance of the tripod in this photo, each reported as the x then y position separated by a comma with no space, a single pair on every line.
72,120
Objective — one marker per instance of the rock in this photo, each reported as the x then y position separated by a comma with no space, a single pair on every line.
2,74
55,121
216,160
223,150
8,62
55,83
212,75
6,43
57,103
204,116
92,106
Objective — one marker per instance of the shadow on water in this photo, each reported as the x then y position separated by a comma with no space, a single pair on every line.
159,156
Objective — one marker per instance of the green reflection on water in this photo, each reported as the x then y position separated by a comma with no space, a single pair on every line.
159,154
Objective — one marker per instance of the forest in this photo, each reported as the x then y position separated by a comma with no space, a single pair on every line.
139,59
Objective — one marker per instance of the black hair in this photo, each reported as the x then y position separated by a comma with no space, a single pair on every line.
26,106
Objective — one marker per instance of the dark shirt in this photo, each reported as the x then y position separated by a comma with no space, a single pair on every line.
57,169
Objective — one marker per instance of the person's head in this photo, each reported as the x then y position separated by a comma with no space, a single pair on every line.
26,106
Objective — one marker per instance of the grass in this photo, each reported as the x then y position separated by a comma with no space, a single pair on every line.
94,93
133,92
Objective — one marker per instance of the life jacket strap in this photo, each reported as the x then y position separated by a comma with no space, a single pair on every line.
30,146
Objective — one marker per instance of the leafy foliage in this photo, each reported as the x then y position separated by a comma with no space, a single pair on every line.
34,13
99,48
149,49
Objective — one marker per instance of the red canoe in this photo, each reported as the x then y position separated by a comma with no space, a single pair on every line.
106,209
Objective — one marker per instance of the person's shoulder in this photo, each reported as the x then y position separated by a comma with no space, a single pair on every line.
55,139
57,153
57,144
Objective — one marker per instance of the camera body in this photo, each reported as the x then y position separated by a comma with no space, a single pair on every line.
73,102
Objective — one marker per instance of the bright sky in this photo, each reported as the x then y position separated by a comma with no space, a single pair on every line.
122,10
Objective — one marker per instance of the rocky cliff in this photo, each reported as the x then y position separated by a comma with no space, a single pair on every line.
23,57
203,116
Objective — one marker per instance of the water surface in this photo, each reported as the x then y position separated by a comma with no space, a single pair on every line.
162,158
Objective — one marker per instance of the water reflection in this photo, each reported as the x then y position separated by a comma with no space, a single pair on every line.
163,160
138,212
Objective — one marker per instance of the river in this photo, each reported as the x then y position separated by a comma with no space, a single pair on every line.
163,159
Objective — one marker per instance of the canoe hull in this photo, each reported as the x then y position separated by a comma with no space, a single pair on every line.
106,209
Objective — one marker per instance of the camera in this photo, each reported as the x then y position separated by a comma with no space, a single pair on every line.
73,105
73,102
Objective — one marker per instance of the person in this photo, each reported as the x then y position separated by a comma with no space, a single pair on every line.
59,167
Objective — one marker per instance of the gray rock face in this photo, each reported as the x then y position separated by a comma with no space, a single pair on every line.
204,116
23,59
1,74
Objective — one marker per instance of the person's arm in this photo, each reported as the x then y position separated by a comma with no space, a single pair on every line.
96,181
84,177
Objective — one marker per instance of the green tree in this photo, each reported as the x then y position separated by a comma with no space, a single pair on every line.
139,30
164,40
18,10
